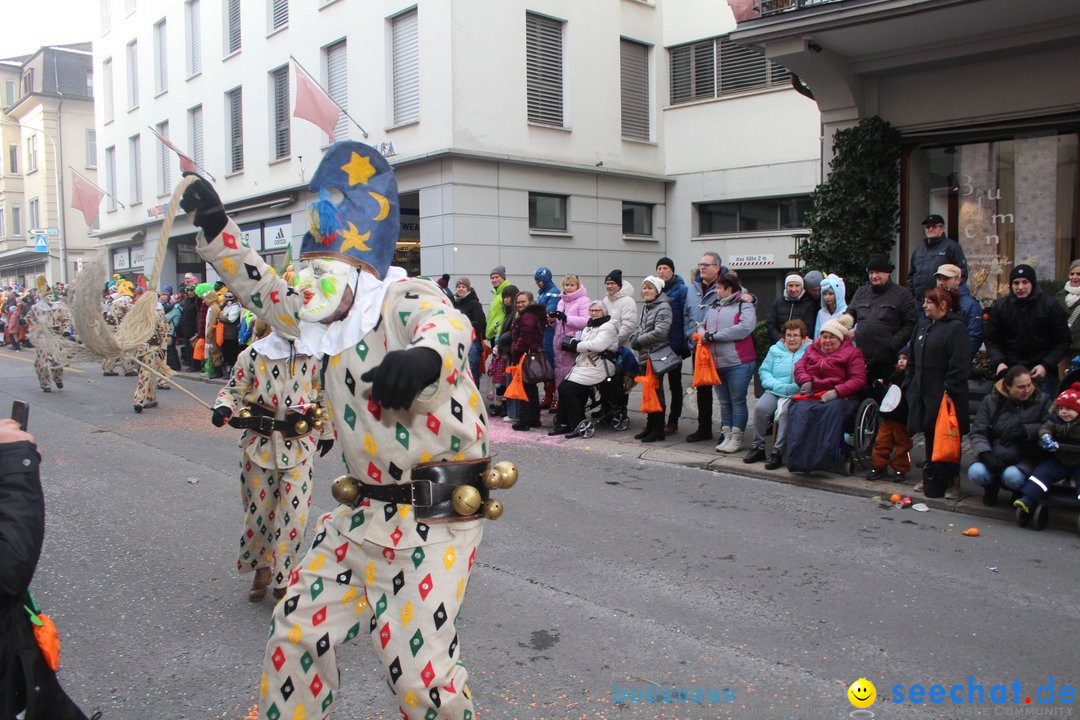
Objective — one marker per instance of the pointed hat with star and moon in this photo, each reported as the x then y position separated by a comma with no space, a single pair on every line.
363,228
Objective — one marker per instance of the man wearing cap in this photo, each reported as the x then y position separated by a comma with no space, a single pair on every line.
1027,327
949,277
467,303
885,317
391,563
794,304
812,285
937,249
675,289
496,311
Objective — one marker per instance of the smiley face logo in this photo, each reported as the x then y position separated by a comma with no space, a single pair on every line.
862,693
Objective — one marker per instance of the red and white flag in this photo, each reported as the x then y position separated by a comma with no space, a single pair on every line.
186,163
85,197
314,104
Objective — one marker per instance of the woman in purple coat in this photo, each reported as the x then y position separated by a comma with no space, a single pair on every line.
527,333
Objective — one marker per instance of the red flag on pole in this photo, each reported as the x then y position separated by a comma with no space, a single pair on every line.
314,105
85,197
186,163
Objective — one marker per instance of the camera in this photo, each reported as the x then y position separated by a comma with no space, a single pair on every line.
567,344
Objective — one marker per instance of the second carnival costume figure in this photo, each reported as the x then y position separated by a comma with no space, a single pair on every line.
272,394
53,314
394,560
152,353
121,300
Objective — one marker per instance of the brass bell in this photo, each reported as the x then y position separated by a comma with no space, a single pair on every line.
345,490
466,500
301,427
492,509
509,473
317,424
317,412
245,413
493,479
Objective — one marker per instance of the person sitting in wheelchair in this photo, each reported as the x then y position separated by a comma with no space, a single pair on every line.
594,363
831,376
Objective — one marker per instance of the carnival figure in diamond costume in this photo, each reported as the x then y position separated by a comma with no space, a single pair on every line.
398,390
272,395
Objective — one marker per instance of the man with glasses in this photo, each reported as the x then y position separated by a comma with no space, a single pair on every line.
937,249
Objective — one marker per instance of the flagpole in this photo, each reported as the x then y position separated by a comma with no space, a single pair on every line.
94,184
343,110
169,144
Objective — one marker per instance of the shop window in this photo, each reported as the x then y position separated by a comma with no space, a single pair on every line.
753,215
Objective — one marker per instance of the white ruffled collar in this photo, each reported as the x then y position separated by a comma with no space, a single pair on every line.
363,316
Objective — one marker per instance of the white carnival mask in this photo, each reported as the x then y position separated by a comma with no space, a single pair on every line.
321,285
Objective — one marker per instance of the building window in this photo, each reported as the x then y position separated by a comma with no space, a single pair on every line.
717,67
195,122
161,59
637,219
110,176
755,215
635,90
234,106
91,148
547,212
13,159
31,153
279,14
89,83
9,93
337,85
133,74
232,26
193,13
164,161
107,79
135,153
35,213
3,226
544,69
406,67
279,90
16,220
28,82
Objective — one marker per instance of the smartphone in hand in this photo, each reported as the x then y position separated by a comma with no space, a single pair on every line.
20,413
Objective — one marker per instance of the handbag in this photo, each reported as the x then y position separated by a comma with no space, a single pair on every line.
664,359
537,369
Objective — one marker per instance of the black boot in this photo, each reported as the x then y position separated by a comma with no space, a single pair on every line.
655,426
703,432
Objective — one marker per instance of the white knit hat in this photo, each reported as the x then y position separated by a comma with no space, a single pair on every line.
838,327
793,277
655,282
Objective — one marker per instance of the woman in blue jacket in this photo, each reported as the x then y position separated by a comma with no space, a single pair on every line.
777,373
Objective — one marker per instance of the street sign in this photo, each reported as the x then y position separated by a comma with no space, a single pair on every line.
45,231
41,243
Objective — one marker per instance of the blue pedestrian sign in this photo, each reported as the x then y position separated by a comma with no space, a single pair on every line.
41,243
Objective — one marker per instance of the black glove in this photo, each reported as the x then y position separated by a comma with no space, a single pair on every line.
707,336
399,378
635,344
209,212
573,345
220,416
993,464
323,446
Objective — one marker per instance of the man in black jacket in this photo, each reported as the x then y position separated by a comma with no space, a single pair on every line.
187,329
794,304
26,680
885,316
937,249
466,301
1027,327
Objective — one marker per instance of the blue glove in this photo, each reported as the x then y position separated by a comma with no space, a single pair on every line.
1048,443
1074,364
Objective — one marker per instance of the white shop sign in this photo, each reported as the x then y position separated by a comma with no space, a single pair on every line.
747,261
277,235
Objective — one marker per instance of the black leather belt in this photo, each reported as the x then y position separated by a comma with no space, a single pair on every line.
262,421
432,488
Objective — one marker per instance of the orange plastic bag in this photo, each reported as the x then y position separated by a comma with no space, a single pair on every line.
219,333
516,389
650,400
485,353
946,433
704,367
199,351
48,639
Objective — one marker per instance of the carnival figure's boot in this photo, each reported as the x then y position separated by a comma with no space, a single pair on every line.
258,584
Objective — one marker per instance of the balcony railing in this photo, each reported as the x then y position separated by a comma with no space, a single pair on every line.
775,7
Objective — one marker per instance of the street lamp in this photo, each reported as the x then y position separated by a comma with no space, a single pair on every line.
58,180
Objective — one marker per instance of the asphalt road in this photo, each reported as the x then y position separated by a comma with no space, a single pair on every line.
606,576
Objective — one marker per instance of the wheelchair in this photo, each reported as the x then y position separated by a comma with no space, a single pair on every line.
853,448
606,406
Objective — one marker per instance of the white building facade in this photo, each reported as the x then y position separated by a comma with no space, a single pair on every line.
549,132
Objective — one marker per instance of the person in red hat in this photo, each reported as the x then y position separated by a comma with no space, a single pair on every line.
1063,426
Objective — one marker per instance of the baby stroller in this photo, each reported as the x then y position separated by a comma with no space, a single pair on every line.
606,405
